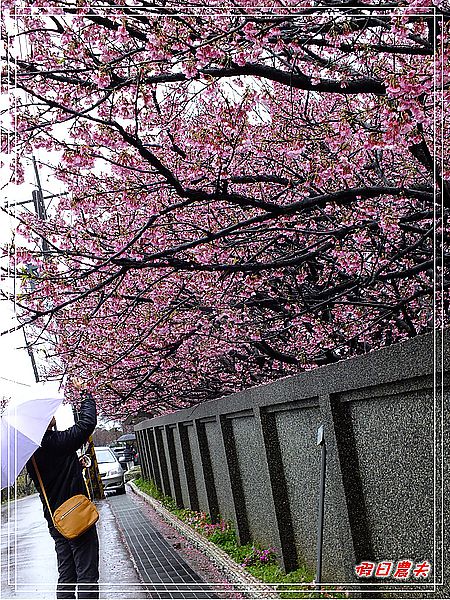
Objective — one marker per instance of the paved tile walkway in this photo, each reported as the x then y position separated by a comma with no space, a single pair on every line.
165,573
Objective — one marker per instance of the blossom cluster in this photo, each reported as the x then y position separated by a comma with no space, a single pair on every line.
201,522
242,199
262,556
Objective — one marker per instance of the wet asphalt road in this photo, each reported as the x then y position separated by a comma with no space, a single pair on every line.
28,559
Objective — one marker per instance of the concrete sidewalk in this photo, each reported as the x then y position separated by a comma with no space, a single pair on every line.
136,561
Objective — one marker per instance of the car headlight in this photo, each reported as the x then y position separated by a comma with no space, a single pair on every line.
114,471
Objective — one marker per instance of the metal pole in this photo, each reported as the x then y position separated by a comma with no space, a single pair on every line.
42,213
39,207
323,459
31,355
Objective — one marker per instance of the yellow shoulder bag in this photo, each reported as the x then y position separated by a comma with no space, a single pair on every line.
75,516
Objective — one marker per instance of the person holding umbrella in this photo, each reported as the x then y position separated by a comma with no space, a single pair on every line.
127,455
61,475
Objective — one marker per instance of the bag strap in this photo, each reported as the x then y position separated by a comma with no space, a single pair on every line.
42,487
87,487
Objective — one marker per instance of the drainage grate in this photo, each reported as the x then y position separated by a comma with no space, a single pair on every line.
158,562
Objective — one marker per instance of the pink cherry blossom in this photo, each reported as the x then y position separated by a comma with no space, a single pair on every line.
244,198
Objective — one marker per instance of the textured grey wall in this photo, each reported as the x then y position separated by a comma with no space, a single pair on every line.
253,458
254,474
301,462
219,466
198,474
182,472
394,441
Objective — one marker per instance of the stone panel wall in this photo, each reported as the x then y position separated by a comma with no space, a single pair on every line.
253,458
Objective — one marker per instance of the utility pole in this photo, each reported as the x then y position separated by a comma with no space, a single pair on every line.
95,480
31,355
39,207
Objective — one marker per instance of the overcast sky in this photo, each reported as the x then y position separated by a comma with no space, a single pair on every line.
16,371
15,363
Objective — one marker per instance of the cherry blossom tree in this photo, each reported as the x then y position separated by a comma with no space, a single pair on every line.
249,193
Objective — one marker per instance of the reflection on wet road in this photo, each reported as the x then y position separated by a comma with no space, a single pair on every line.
28,559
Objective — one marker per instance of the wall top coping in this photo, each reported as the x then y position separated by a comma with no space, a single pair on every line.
417,357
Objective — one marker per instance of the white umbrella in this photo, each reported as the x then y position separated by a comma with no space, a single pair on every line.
23,424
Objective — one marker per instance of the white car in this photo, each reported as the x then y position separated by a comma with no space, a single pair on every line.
110,470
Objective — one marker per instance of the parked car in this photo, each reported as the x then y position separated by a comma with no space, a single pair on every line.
110,470
125,455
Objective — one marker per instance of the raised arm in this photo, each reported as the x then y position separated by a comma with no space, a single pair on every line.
71,439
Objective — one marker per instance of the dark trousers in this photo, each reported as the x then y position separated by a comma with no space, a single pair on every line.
77,565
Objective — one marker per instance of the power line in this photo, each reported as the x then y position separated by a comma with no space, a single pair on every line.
17,382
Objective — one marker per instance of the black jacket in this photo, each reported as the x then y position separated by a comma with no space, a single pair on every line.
128,453
58,462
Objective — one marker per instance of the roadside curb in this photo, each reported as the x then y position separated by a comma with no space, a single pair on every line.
244,581
10,501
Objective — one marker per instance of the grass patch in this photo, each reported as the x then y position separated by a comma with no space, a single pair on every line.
259,561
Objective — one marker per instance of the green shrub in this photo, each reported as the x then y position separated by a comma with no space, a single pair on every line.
149,487
221,538
22,487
